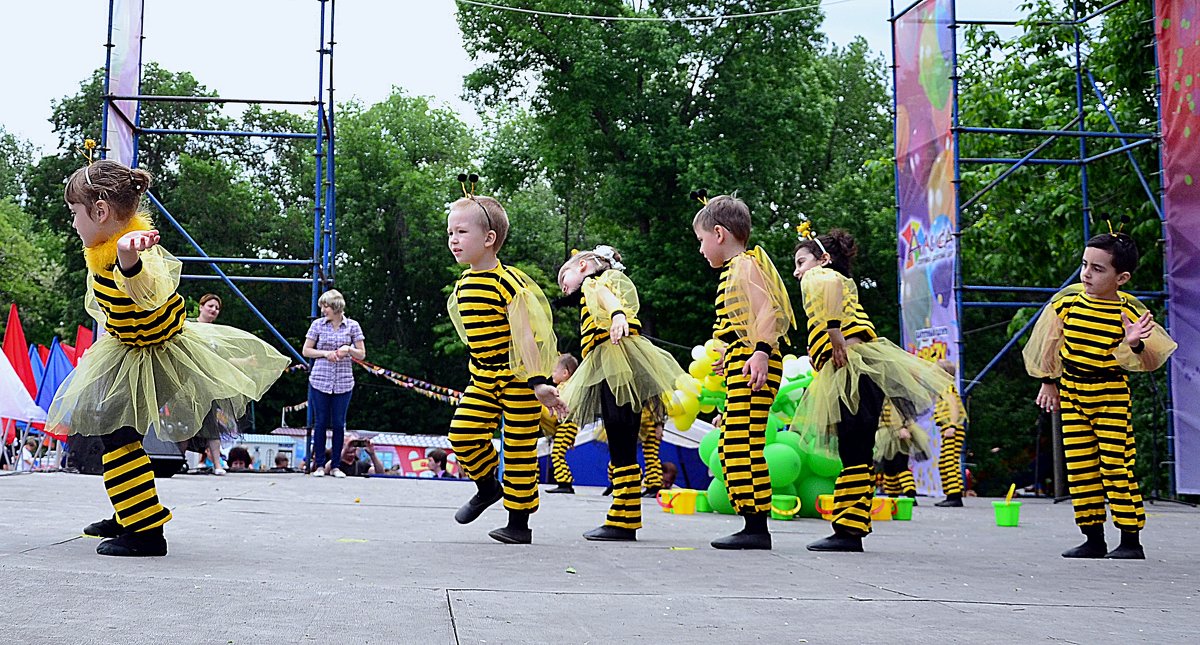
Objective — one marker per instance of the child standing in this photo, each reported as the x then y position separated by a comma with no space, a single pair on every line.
896,441
856,372
503,318
621,373
562,432
753,316
951,419
1082,345
150,359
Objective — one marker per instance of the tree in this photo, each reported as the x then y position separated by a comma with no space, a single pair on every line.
30,267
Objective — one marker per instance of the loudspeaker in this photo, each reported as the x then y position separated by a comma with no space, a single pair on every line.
87,452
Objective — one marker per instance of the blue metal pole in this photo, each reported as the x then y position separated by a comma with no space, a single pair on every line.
241,278
229,283
1028,162
958,209
1137,168
1083,171
1057,133
1116,151
331,198
266,261
108,47
229,133
318,202
1008,171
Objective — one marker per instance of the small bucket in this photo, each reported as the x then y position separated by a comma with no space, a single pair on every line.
904,506
784,507
882,509
825,506
1007,513
702,505
680,502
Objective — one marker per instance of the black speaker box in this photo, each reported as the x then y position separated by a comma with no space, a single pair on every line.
86,453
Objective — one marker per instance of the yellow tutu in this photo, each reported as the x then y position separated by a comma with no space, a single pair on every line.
888,443
170,387
912,384
637,372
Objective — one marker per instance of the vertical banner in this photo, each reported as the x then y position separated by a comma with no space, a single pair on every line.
923,52
124,78
1177,28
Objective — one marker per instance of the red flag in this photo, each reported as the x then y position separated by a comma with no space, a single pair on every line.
44,352
18,355
69,352
83,340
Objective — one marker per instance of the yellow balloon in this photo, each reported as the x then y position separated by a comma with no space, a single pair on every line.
713,346
707,408
674,404
683,422
699,369
691,407
714,383
686,383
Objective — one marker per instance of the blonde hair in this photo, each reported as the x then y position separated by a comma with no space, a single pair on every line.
568,362
596,262
120,186
490,215
728,212
333,298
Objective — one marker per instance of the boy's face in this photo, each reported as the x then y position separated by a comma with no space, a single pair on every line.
560,374
714,245
1098,276
806,261
467,240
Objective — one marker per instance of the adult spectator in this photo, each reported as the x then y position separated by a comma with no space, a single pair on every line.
358,458
209,438
332,341
437,463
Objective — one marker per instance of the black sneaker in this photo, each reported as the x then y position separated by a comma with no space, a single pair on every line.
743,542
838,542
509,535
1126,553
608,533
950,502
651,491
607,491
478,503
105,528
562,488
1089,549
135,544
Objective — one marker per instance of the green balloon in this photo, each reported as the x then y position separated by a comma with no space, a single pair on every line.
789,438
808,489
714,464
790,489
708,444
718,497
774,425
823,465
782,463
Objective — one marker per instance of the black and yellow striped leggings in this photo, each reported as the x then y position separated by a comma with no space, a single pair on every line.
621,423
564,440
490,397
744,433
950,461
651,444
129,482
855,485
1100,452
897,477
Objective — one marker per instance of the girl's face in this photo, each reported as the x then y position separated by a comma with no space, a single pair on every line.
468,242
209,311
806,261
573,276
91,230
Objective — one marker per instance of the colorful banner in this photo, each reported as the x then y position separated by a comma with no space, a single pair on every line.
923,52
1177,27
124,79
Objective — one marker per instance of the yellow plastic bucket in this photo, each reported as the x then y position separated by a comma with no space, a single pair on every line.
825,506
784,507
681,501
882,509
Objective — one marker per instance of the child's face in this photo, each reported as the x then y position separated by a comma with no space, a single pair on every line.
1098,276
713,245
806,261
467,240
560,374
90,230
573,276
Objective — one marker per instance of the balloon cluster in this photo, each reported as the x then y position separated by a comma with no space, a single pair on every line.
795,469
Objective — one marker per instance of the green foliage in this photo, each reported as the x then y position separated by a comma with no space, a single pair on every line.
30,267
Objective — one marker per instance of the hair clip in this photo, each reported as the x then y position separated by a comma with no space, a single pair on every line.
609,254
472,179
700,196
88,146
804,230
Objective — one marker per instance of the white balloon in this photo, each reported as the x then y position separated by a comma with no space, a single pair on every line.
792,369
698,352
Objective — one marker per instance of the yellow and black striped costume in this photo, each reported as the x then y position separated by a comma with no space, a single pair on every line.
897,477
950,454
494,393
744,424
561,440
651,444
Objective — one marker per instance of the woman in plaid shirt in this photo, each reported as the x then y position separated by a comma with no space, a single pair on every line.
332,341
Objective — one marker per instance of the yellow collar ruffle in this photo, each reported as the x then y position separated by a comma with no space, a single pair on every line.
102,257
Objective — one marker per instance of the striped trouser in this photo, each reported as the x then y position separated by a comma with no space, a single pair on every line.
855,485
1098,442
949,462
564,440
651,442
491,396
129,482
897,478
744,433
621,423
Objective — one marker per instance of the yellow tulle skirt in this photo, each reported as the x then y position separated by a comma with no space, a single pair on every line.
168,388
888,444
912,384
637,372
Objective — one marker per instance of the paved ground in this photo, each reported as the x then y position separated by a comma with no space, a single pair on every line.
289,559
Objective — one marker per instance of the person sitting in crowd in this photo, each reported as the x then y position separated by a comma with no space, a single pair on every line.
239,459
281,464
358,458
437,464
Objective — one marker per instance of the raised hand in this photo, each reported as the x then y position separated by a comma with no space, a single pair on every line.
1137,330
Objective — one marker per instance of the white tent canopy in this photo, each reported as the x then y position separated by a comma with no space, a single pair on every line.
15,402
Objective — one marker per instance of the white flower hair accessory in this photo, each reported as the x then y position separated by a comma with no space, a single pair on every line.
608,253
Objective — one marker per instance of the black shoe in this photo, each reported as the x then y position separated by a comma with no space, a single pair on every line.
1089,549
135,545
1130,548
562,488
743,542
607,491
950,502
838,542
651,491
479,503
510,535
608,533
105,528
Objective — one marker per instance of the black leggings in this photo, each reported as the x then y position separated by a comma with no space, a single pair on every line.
856,432
622,423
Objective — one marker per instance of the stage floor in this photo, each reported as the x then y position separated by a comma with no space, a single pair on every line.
291,559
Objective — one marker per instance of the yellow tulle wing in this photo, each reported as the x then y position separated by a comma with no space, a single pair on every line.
1042,353
155,283
91,306
456,316
1155,351
760,307
611,291
824,294
534,347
